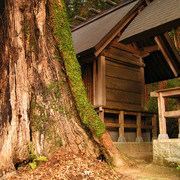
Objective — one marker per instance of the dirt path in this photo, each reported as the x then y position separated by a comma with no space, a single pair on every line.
146,171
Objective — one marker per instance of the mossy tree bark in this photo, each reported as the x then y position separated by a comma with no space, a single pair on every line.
42,97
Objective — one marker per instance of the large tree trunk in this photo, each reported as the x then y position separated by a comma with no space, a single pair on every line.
38,100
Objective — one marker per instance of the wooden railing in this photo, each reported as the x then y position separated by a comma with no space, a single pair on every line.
122,121
163,114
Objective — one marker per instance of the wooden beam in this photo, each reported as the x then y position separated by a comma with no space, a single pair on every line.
93,10
134,45
117,29
110,2
133,126
121,53
172,114
172,92
101,48
149,49
80,18
166,54
112,111
171,44
111,125
161,94
120,59
144,55
128,48
131,113
144,52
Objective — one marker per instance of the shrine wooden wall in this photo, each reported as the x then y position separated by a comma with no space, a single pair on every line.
123,86
124,81
87,75
115,79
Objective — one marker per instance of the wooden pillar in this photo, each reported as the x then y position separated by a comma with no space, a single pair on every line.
100,86
179,127
138,123
178,105
154,126
142,85
162,119
121,127
94,81
101,113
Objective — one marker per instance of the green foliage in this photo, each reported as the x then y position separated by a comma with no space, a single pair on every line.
63,37
172,83
173,33
151,105
171,103
80,8
33,165
34,158
174,36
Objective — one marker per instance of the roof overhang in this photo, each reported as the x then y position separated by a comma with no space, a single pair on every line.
158,17
96,33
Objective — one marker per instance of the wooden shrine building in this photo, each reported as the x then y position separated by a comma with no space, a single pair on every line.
122,49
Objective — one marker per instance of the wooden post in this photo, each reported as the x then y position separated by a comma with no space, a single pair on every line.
166,54
162,119
178,105
101,113
121,127
141,78
94,82
154,126
179,127
138,122
100,82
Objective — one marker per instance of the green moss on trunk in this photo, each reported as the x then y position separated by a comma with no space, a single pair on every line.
62,34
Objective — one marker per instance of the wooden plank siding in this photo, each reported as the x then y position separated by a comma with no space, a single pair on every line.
87,75
123,80
115,50
122,71
123,97
122,84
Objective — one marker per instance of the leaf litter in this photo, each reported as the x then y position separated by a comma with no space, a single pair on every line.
70,166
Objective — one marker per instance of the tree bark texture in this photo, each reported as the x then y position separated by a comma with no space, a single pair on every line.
36,101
